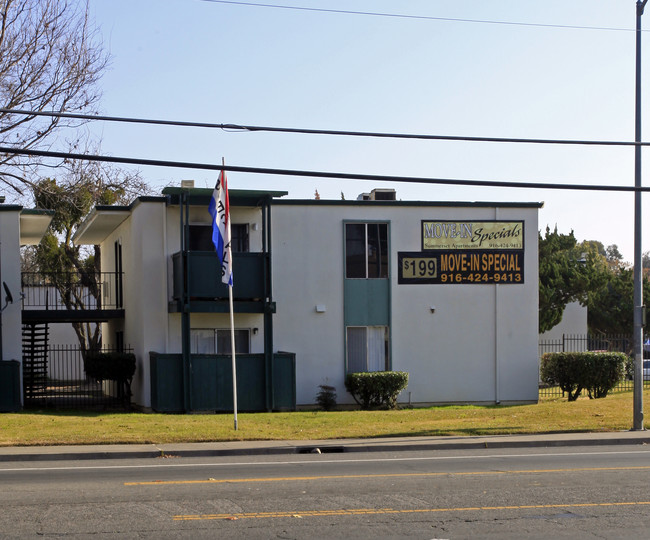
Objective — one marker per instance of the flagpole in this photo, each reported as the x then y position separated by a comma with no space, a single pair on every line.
232,320
234,364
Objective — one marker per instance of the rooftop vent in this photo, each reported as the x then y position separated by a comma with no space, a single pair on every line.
383,195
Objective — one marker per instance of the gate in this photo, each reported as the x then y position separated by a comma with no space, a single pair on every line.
54,377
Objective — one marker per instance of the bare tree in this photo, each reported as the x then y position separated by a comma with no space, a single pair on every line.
74,270
50,60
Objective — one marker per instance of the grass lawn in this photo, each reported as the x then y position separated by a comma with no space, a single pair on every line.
613,413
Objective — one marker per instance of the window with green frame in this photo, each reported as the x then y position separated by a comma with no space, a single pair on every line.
366,250
367,348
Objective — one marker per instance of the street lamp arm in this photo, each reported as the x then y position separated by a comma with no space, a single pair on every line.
640,6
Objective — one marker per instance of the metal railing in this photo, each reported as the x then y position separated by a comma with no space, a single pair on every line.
587,342
71,290
68,387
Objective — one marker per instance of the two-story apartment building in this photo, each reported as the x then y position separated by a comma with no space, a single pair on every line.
444,291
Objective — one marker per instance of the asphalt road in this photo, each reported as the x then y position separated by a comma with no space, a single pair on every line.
577,492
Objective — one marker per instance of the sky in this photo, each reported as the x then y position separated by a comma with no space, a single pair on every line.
556,69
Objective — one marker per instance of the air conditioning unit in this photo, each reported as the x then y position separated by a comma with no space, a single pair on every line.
383,195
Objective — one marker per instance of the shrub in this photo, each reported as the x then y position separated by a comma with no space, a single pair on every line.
629,368
605,370
112,366
596,372
564,370
376,389
326,397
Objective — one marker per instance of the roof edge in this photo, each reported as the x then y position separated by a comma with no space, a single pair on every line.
462,204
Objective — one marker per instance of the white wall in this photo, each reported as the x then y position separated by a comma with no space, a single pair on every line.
480,345
145,288
573,323
307,270
10,270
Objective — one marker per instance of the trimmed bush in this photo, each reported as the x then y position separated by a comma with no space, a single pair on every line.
596,372
112,366
326,397
376,389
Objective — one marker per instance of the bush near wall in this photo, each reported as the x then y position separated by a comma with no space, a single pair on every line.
595,372
376,389
112,366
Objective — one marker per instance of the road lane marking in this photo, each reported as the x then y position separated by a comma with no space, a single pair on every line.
309,459
383,511
370,476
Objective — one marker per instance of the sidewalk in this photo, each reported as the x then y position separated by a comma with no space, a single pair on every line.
252,448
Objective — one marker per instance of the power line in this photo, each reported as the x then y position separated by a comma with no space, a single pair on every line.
308,131
420,17
319,174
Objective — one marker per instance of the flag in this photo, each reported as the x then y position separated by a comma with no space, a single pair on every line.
220,212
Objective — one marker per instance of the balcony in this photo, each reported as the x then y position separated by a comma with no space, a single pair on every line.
209,295
70,297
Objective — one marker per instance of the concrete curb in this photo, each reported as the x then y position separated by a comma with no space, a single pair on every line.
257,448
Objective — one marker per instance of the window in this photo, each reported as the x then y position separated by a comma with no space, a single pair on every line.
119,340
201,238
217,341
366,250
367,348
239,237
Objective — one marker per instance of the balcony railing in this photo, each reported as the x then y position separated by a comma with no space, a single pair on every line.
204,281
71,291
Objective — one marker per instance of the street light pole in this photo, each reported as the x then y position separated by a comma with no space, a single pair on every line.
638,270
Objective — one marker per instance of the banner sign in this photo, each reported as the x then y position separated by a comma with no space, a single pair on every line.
454,266
465,235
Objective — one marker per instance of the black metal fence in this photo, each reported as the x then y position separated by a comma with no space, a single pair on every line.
70,290
65,384
586,342
581,343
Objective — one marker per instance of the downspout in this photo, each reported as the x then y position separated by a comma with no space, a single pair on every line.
268,299
497,390
168,264
185,314
1,349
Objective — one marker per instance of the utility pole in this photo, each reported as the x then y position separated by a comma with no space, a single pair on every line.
638,269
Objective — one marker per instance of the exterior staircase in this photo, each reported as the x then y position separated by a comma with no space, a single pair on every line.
35,341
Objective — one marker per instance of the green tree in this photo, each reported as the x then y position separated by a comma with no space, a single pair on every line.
594,245
567,272
74,270
610,307
645,259
613,254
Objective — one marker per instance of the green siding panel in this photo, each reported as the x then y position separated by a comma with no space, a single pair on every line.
367,302
205,275
211,382
166,382
9,386
284,382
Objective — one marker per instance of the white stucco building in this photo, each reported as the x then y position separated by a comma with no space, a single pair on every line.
573,323
18,226
445,291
